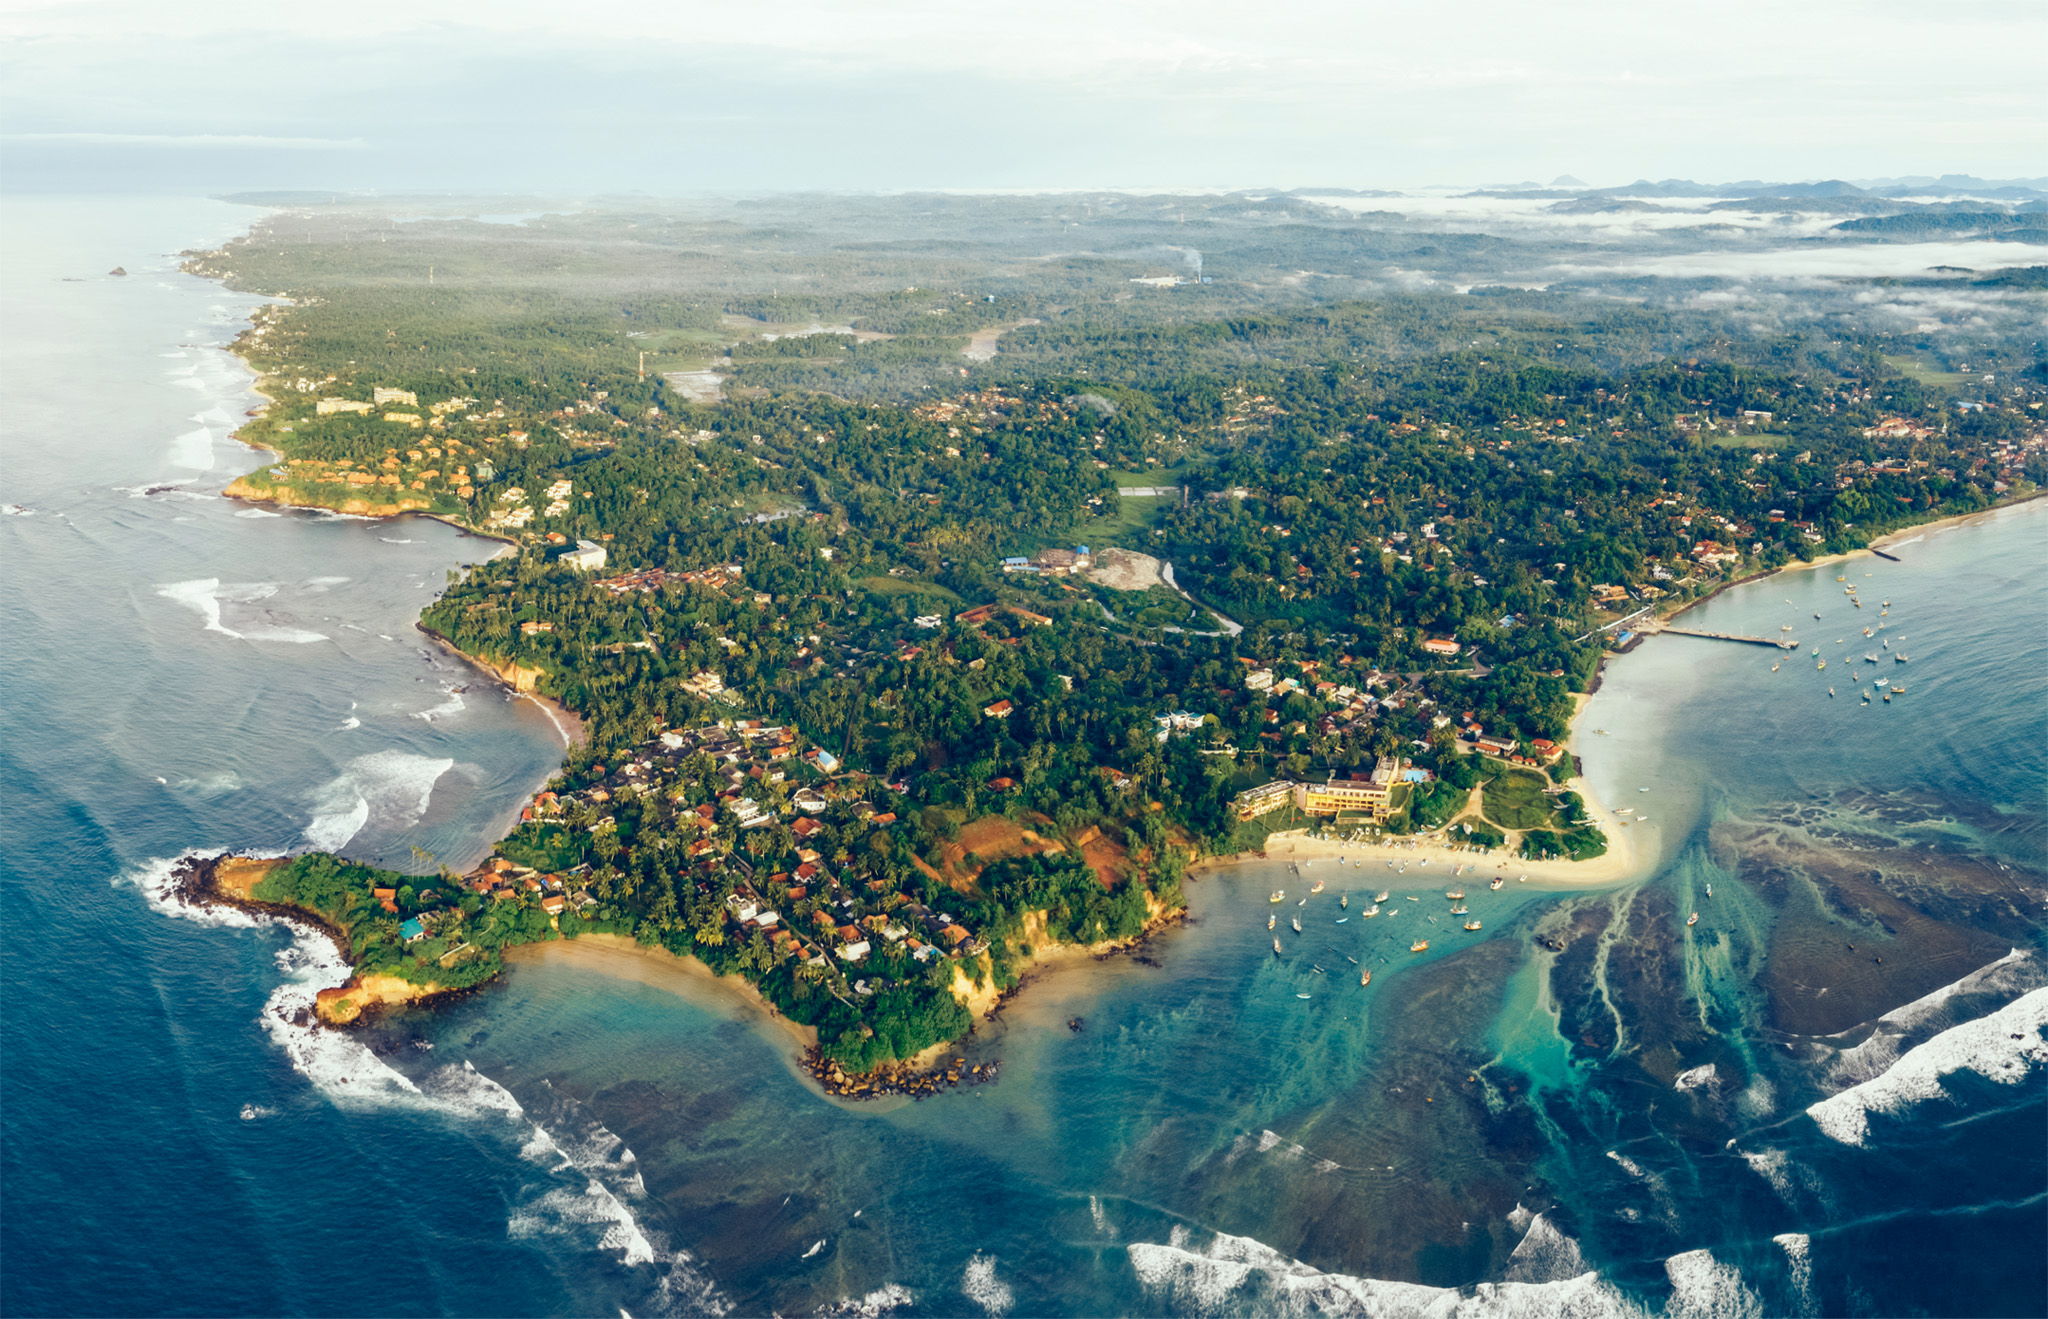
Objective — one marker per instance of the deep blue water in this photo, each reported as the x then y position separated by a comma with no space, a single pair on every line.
1498,1128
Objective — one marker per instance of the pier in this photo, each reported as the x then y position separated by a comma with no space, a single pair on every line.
1731,636
1884,554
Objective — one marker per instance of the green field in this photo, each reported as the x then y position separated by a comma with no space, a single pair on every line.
1925,374
1515,800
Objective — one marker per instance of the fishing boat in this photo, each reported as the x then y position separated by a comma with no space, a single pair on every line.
1693,919
1373,910
1296,923
1784,627
1819,666
1898,659
1887,698
1898,690
1316,887
1279,895
1831,691
1472,925
1710,890
1276,947
1872,658
1344,900
1457,895
1301,996
1774,668
1499,881
1364,978
1461,910
1271,920
1381,896
1419,946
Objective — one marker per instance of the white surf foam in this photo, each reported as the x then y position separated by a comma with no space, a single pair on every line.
1546,1255
258,513
2005,1046
192,449
452,706
390,788
1705,1077
2010,974
201,596
1237,1275
980,1284
1798,1248
348,723
882,1300
1704,1288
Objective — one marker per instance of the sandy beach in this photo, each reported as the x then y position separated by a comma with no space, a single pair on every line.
625,959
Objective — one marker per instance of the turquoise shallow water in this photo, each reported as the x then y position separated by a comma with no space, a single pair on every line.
1616,1127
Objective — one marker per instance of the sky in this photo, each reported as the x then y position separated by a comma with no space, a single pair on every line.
683,96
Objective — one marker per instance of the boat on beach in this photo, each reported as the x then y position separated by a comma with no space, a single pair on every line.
1499,881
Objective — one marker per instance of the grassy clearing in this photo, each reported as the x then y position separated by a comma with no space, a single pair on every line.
1515,800
1157,476
1926,375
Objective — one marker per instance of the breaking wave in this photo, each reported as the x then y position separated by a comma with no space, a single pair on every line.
388,788
981,1285
2004,1047
1547,1278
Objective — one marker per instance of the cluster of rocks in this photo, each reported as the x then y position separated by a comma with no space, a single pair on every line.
898,1079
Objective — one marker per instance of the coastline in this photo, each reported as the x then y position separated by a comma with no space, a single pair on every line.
229,879
1904,535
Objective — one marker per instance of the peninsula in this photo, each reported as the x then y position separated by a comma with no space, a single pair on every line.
893,681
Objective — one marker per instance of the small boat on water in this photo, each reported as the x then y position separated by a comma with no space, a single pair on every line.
1710,890
1271,920
1831,691
1364,978
1296,923
1342,919
1373,910
1279,895
1774,668
1344,900
1381,896
1316,887
1419,946
1276,947
1457,896
1693,919
1499,881
1301,996
1898,690
1461,910
1472,925
1898,659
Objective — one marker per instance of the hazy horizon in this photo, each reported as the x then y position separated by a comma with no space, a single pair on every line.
690,99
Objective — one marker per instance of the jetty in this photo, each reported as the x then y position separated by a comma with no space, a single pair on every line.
1886,554
1774,642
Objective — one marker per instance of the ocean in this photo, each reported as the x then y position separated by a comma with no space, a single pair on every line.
1827,1095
